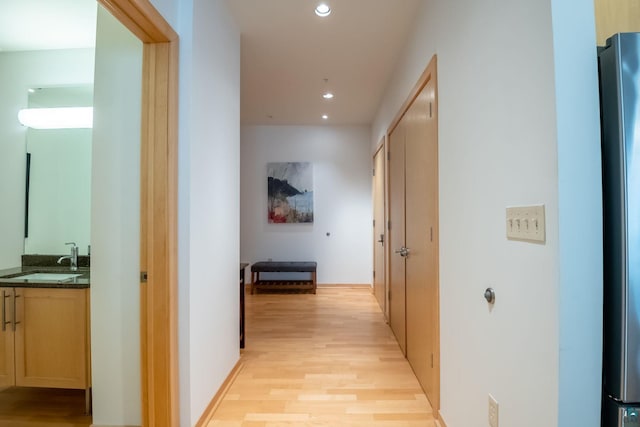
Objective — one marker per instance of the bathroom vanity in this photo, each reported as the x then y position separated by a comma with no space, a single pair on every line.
45,334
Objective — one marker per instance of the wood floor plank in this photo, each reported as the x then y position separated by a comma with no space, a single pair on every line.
321,360
42,407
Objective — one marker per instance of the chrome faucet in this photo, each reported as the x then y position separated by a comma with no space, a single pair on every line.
73,258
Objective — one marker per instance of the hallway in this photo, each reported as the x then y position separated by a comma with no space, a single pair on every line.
322,360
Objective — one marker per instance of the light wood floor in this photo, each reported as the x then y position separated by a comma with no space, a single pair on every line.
38,407
321,360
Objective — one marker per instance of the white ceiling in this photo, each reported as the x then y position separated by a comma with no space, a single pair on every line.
47,24
287,51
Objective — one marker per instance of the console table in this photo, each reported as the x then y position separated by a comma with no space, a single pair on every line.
283,267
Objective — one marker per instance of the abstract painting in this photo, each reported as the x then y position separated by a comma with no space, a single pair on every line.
290,192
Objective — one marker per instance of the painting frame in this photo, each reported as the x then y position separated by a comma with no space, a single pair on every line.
290,193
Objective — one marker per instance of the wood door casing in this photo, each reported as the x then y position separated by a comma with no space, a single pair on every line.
396,235
379,228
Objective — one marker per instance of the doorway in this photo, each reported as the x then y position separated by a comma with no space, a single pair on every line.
413,233
379,228
158,209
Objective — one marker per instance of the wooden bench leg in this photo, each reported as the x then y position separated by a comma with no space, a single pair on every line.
313,277
253,280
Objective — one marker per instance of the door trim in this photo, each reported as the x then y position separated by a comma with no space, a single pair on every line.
380,150
158,209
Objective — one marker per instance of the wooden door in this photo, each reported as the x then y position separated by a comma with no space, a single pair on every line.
7,376
51,353
421,199
378,229
396,233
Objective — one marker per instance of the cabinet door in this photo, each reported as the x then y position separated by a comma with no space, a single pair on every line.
51,338
7,377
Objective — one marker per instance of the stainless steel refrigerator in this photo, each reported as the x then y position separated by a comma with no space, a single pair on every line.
620,112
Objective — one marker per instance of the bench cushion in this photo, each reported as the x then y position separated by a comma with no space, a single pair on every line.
279,266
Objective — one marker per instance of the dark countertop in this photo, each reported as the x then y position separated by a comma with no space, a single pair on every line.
80,282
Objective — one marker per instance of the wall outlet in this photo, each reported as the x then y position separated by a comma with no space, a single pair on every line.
493,412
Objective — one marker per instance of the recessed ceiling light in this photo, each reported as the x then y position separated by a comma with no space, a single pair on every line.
327,95
323,10
325,117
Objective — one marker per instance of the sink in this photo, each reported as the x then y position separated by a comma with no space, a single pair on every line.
51,277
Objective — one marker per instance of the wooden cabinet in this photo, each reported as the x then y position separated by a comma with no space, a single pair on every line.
7,375
49,341
616,16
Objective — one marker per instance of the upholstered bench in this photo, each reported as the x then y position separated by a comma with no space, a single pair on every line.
283,267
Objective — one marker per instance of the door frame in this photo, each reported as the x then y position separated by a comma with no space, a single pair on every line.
430,73
158,209
381,150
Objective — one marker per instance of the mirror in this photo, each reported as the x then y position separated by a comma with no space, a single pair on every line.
58,182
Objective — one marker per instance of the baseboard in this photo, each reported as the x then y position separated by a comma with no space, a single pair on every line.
440,421
345,285
102,425
207,415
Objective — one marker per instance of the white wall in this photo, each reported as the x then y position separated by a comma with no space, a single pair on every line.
502,143
115,226
342,200
580,219
20,71
209,204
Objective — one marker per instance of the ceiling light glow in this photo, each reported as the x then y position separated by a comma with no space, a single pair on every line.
327,95
57,118
325,117
323,10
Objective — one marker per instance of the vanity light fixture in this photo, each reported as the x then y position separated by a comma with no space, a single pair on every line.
323,10
327,95
57,118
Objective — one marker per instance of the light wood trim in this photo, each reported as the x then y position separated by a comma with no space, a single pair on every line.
417,88
616,16
158,251
208,413
440,420
387,216
432,69
142,19
380,150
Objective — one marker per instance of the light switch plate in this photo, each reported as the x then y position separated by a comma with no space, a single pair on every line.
493,412
526,223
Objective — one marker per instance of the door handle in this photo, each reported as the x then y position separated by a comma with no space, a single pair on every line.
15,322
403,251
4,310
381,240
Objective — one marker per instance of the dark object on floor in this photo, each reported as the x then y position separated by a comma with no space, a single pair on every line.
283,267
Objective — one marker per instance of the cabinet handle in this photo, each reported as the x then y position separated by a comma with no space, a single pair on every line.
4,311
14,310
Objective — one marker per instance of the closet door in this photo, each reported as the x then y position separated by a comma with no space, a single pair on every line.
421,204
396,233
